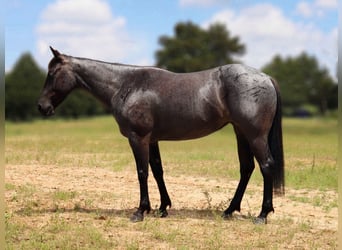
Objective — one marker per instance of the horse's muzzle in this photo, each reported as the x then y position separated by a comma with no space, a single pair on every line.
46,110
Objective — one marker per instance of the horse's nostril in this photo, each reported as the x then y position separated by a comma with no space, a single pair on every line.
39,107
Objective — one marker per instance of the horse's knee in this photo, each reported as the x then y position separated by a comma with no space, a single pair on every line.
142,174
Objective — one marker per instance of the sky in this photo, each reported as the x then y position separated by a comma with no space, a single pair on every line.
127,31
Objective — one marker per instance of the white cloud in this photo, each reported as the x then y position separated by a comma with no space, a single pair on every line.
85,28
304,9
199,3
327,4
266,31
318,8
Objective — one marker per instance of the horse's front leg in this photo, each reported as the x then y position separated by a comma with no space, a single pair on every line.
157,170
140,148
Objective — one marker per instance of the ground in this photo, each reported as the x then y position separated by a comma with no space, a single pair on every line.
39,195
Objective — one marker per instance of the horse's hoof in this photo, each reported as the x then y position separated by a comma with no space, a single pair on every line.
137,217
260,221
163,213
160,213
227,216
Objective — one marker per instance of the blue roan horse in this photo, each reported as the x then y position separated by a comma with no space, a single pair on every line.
152,104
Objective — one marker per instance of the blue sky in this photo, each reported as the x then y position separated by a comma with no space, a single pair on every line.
127,31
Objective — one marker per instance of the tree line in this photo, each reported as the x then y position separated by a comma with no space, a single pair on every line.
306,88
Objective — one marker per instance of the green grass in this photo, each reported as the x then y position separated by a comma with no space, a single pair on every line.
57,233
89,143
310,148
311,153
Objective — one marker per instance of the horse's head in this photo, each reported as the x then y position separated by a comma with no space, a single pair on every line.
59,82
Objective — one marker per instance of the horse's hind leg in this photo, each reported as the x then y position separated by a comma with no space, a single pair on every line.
263,155
246,170
157,170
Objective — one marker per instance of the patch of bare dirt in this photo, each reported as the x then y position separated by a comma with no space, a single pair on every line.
119,192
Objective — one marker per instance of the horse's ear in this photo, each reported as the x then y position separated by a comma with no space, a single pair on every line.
55,52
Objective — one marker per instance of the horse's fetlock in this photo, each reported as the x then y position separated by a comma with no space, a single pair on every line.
266,209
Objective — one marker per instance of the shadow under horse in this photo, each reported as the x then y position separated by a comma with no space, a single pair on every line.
152,104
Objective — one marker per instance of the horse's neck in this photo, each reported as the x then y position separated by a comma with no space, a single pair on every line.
103,80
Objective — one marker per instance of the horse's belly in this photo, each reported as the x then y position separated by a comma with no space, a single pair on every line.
180,128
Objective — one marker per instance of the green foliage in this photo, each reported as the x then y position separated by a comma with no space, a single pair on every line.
303,82
193,48
79,104
23,86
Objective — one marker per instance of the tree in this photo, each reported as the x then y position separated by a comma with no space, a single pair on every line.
22,89
193,48
303,82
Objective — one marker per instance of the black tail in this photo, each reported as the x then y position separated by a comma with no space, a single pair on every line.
275,141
